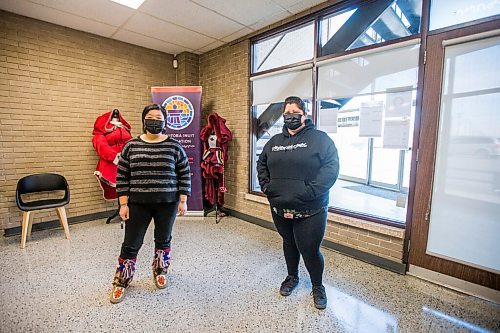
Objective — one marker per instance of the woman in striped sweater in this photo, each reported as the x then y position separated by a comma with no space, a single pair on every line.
153,182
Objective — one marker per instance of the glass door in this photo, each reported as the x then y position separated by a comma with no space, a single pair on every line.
455,224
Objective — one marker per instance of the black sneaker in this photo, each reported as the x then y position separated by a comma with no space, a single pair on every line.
289,285
319,295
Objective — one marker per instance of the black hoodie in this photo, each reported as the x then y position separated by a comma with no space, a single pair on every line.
297,171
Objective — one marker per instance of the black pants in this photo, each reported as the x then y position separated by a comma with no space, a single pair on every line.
303,237
140,216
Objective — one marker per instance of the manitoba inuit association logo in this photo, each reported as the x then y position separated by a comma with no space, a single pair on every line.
180,112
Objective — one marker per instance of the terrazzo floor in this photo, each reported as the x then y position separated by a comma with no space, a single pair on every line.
223,278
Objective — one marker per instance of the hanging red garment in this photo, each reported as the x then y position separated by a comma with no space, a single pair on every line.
214,157
108,142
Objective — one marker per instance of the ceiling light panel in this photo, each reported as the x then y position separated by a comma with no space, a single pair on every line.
130,3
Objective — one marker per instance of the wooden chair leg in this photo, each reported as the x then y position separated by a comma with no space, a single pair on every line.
30,224
24,228
61,212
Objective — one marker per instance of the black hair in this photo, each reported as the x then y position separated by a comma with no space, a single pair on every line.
154,107
294,100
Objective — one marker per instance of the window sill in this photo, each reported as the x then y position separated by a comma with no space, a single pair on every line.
256,198
346,220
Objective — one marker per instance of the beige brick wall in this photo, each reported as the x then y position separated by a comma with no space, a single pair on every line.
54,83
382,241
188,72
224,78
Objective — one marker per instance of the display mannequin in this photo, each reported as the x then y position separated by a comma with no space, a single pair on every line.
111,132
215,136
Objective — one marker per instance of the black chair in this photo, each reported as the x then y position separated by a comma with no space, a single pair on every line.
43,182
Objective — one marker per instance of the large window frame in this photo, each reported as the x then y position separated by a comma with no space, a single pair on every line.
316,18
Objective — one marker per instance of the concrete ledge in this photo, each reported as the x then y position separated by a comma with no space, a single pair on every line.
256,198
367,225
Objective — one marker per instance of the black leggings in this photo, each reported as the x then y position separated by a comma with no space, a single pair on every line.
303,237
140,216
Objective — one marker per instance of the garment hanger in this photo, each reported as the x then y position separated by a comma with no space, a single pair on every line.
115,120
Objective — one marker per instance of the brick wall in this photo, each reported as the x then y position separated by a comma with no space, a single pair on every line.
54,83
374,238
188,72
224,78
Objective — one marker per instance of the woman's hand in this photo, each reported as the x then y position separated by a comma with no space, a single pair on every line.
124,212
182,208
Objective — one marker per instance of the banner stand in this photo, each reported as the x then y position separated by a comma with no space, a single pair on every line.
183,105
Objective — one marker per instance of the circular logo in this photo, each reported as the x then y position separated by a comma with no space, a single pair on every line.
180,112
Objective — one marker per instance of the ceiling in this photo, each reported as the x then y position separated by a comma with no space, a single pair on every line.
171,26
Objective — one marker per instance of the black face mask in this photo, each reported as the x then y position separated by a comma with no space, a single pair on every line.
292,120
154,126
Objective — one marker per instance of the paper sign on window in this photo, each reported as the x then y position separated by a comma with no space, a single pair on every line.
328,120
396,133
398,104
370,119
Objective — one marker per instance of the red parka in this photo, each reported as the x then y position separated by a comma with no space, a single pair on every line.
108,141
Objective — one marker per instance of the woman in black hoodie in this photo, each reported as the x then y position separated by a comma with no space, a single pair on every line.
296,170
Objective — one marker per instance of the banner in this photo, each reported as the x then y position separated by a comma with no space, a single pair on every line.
183,105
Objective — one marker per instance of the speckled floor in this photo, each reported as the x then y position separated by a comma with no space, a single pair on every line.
223,278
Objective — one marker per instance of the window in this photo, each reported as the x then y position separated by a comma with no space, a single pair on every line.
269,90
269,123
364,100
283,49
276,87
373,22
373,97
445,13
374,170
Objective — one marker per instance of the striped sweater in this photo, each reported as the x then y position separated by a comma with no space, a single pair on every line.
153,172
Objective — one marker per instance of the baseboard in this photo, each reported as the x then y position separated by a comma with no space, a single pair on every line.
194,213
451,282
390,265
251,219
55,223
381,262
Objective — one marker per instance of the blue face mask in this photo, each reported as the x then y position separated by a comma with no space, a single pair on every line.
154,126
292,120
